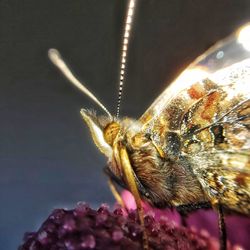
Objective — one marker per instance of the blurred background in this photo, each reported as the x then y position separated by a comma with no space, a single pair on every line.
47,157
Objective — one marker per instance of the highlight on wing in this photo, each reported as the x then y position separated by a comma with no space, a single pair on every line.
244,37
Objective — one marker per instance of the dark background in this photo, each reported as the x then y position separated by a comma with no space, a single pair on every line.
47,157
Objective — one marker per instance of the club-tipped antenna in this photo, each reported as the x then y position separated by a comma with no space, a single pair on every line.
125,42
57,60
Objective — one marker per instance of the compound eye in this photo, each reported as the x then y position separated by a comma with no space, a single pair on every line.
110,132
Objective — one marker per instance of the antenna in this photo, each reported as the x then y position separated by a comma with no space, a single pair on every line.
57,60
125,42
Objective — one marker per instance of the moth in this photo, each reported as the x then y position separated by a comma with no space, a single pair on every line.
191,148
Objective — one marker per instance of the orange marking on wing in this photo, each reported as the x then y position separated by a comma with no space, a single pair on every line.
196,91
240,179
210,106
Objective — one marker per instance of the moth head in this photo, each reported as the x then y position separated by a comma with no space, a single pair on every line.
103,129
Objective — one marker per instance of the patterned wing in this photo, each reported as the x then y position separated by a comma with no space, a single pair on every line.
215,134
208,107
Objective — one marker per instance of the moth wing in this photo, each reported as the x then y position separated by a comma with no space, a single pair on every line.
183,92
215,132
219,154
225,179
208,106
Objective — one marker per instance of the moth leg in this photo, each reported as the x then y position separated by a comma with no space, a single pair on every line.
184,219
222,229
184,214
189,208
115,193
185,210
129,175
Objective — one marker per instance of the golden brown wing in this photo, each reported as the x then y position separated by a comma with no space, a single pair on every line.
183,92
208,107
215,136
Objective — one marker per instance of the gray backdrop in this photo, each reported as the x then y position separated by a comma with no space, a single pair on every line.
47,158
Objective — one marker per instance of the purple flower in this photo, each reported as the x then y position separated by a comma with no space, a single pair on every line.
204,221
86,228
